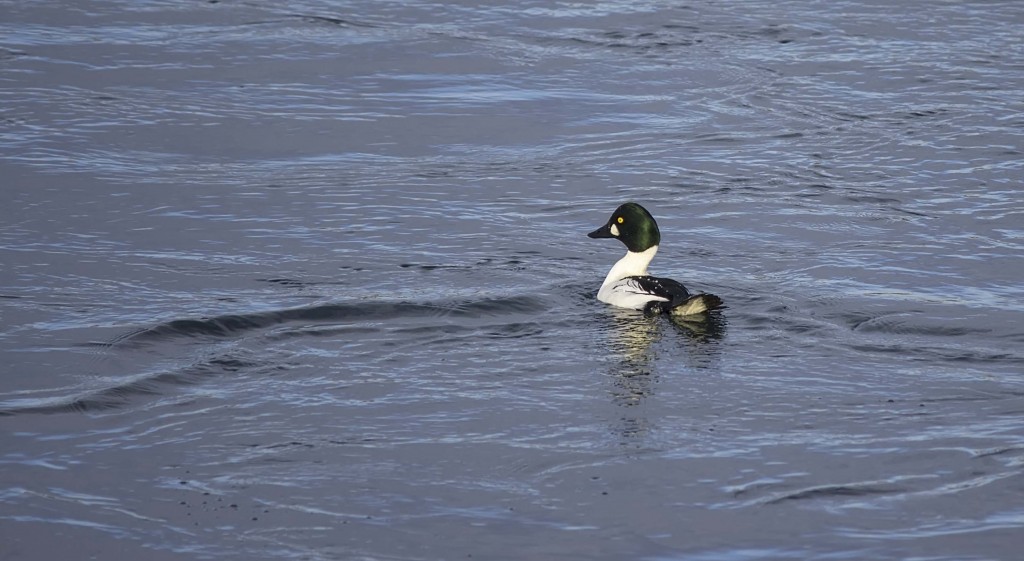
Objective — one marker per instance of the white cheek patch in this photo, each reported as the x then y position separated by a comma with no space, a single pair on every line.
614,230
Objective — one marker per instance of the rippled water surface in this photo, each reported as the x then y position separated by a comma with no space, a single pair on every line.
310,280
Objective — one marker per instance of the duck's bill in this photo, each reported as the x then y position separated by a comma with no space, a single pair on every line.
602,232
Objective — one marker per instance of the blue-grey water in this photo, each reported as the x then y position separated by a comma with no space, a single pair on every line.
310,280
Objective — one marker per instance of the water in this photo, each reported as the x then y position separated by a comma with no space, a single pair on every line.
311,281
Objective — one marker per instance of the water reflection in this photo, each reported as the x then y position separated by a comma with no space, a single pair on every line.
632,339
701,337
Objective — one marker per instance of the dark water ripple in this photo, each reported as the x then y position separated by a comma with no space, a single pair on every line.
311,281
330,320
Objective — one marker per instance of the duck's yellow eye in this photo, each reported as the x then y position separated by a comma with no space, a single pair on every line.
620,220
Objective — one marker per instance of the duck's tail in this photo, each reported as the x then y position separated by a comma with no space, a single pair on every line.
696,304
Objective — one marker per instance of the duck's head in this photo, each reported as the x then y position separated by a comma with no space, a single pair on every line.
632,225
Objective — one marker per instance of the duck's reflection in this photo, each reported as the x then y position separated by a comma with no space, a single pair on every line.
700,336
631,338
636,342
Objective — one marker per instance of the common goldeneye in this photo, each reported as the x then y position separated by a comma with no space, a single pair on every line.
628,285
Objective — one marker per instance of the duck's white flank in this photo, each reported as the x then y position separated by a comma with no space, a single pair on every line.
634,264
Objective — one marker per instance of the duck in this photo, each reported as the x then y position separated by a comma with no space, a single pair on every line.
629,286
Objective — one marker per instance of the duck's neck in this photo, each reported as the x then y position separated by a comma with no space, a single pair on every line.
634,264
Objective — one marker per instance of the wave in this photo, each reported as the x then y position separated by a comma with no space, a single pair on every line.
231,326
115,397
